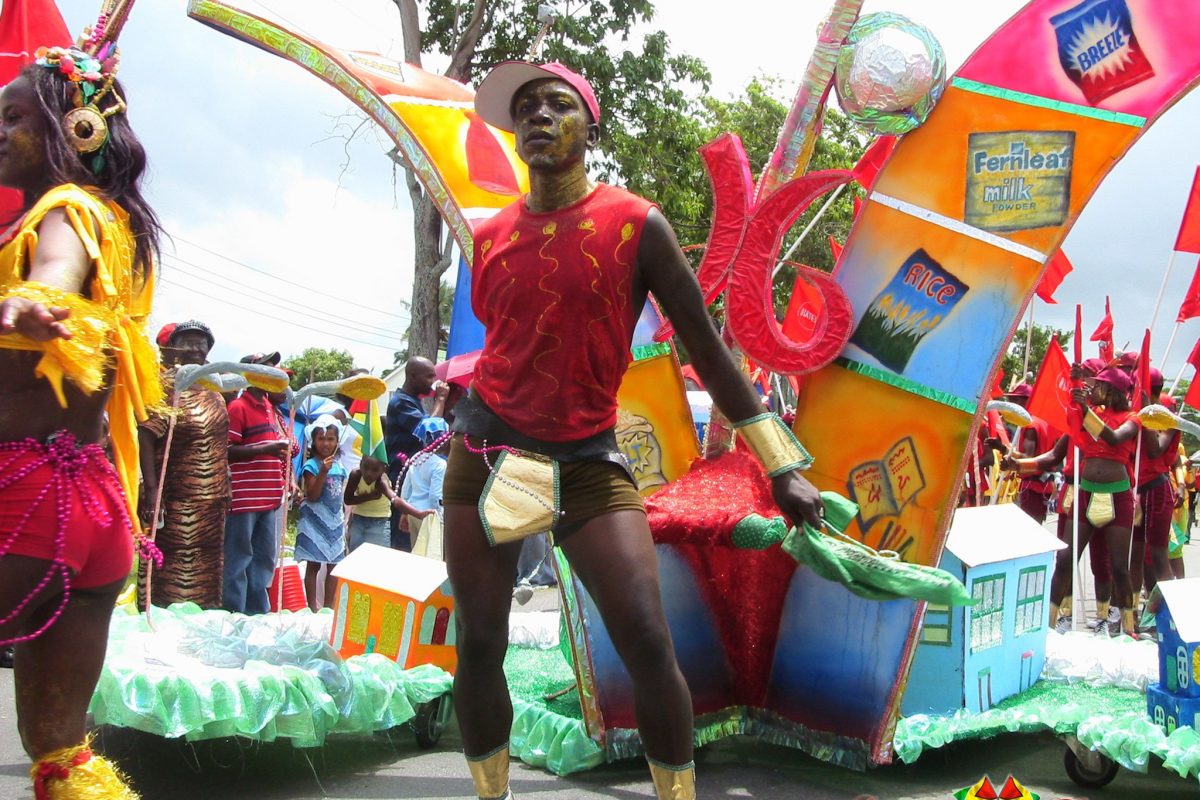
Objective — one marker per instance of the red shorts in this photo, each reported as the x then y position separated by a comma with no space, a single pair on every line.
1158,507
1098,557
1122,507
96,541
1097,545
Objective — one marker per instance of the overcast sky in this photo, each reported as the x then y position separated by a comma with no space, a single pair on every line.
280,246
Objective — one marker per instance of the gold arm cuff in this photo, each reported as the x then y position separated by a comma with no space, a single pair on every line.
1093,424
774,444
490,773
673,783
1028,467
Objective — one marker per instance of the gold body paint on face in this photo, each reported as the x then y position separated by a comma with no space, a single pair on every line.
22,135
557,172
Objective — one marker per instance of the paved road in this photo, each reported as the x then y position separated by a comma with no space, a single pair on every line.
392,766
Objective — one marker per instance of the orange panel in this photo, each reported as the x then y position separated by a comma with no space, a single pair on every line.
1011,153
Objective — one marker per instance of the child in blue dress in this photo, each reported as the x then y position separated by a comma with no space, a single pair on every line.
321,534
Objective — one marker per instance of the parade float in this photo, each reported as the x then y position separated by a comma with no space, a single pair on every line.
791,637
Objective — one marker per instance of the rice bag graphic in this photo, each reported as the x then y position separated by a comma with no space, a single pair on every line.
1098,49
916,301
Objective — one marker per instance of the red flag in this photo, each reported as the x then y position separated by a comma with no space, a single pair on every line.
24,27
867,169
856,202
1058,268
1104,334
1192,398
835,247
805,309
1141,394
998,385
1188,240
1052,390
1190,307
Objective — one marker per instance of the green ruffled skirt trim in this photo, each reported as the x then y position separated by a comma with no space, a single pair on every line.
304,702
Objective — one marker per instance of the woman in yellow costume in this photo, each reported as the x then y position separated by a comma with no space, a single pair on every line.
76,280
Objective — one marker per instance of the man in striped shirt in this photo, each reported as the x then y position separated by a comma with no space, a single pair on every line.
258,450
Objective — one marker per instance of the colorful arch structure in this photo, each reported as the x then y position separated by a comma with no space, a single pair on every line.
469,168
939,268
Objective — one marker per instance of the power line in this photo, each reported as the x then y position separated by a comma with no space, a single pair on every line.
261,313
262,271
282,303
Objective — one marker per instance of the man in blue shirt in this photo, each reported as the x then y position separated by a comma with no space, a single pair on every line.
404,413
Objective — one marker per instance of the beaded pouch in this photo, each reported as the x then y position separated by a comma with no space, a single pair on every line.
1101,509
521,498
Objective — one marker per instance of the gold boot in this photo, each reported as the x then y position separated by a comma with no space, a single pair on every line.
76,772
490,773
1128,623
673,783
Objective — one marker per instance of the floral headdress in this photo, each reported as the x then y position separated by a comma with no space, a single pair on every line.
91,65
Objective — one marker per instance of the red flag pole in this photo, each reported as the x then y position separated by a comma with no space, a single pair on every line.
1162,289
1028,342
1178,378
1170,342
808,228
1077,583
1078,333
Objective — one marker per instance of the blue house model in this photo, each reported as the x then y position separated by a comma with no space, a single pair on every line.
1174,701
975,656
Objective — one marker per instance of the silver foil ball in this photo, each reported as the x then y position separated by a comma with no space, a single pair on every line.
889,74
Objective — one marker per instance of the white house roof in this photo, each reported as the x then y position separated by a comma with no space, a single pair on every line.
1183,598
392,571
988,534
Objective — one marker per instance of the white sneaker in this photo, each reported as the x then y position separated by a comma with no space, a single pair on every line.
1062,625
1113,619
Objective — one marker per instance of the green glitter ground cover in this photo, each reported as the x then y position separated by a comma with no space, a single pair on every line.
1057,707
1109,719
547,733
535,674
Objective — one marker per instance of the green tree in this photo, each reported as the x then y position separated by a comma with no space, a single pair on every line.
319,364
1014,359
646,96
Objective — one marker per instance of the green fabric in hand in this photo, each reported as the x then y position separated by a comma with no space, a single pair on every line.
854,565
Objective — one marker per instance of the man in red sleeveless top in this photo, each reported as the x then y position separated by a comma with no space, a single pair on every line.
559,279
1156,497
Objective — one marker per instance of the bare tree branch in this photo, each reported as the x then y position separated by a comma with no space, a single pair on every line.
460,62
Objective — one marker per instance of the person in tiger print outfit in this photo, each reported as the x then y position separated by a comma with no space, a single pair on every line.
196,489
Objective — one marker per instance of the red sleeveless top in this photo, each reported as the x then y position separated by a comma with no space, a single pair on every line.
1098,448
553,292
1153,466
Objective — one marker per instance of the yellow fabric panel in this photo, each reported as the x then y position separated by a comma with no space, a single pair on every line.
109,321
441,131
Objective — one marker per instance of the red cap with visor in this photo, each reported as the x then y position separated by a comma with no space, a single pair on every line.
493,98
